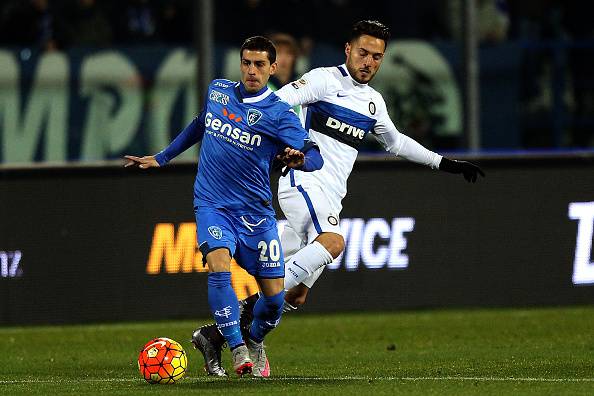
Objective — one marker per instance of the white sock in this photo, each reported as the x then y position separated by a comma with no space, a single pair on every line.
305,262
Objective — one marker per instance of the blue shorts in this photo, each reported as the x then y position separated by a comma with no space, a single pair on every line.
252,240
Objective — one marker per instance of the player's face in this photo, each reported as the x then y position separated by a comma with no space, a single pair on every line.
256,69
364,56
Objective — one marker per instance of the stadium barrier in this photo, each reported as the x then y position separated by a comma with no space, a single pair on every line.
104,243
89,104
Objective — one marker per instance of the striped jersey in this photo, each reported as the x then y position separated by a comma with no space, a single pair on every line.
338,112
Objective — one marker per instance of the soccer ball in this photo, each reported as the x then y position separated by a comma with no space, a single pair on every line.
162,361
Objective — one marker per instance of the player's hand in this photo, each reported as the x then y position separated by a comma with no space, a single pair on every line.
292,158
148,161
469,170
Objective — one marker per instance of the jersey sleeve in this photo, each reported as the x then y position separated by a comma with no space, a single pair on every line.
399,144
189,136
311,87
292,134
289,130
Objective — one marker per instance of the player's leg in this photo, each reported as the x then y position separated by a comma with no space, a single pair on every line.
268,308
223,304
218,241
260,254
267,313
310,213
297,295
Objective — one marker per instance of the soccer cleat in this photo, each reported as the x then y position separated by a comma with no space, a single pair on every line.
288,307
258,355
242,364
205,339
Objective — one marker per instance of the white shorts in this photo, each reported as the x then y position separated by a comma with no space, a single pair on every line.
309,212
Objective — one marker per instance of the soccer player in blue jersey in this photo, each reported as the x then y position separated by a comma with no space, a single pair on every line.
339,108
243,127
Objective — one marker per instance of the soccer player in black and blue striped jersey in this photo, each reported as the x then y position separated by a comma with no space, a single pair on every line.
243,126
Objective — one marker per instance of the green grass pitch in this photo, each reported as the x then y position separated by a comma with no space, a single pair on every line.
544,351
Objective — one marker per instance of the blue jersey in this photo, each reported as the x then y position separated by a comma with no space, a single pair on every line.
241,135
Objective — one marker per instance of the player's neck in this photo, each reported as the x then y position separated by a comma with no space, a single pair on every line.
345,68
247,94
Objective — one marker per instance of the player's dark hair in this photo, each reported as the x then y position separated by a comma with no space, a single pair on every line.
259,43
371,28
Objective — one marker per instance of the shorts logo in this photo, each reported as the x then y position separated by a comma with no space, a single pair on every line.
253,116
215,231
225,312
372,108
333,220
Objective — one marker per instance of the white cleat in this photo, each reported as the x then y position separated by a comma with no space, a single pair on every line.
258,355
242,364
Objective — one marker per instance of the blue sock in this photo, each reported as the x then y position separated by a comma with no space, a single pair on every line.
267,315
224,307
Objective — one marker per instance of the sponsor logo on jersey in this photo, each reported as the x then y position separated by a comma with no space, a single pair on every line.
216,232
341,95
372,108
337,129
345,128
333,220
230,132
218,97
221,84
253,116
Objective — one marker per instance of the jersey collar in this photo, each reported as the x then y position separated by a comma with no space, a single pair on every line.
345,72
247,97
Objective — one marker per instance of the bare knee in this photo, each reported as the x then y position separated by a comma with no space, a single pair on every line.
334,243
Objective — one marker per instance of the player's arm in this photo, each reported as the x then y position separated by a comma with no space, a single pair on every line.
300,152
403,146
189,136
307,159
311,87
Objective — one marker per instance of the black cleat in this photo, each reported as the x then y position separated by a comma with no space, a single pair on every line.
210,343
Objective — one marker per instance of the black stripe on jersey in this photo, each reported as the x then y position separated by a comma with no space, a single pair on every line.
342,71
336,129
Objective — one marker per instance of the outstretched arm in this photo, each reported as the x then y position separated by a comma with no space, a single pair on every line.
148,161
469,170
403,146
189,136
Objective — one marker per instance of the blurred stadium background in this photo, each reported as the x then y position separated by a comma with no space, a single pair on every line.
473,289
508,84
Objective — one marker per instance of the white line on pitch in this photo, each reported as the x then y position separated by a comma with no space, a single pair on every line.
346,378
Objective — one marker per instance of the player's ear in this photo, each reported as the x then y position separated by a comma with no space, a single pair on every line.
347,49
273,68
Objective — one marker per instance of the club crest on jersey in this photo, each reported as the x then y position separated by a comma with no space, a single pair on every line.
253,116
215,231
